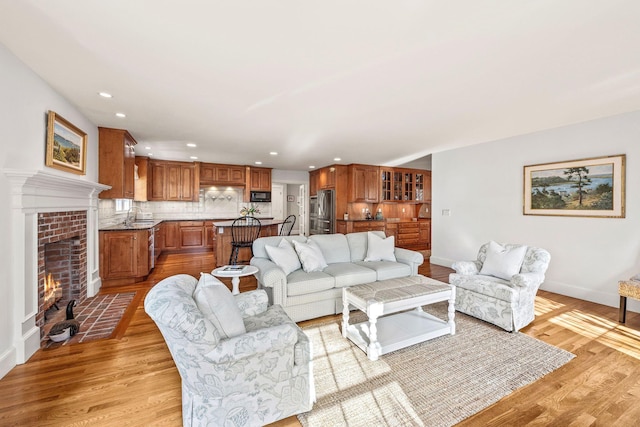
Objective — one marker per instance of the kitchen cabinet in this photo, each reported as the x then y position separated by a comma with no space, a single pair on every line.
172,181
116,163
314,182
170,235
404,185
327,178
414,235
345,227
219,174
124,256
363,183
141,184
192,235
260,179
186,236
158,241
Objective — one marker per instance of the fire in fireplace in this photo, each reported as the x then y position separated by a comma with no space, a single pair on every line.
52,292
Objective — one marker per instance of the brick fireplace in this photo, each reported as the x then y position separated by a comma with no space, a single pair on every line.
47,207
62,256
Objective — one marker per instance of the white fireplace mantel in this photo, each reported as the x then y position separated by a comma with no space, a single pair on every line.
33,192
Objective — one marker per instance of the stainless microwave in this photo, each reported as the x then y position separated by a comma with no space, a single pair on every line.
260,196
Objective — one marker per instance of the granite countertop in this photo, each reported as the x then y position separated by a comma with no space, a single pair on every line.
263,222
137,225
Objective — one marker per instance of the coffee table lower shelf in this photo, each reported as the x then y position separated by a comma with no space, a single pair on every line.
398,331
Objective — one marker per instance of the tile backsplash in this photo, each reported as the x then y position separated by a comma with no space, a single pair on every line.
212,204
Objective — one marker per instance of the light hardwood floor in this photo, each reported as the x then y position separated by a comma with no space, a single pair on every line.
130,379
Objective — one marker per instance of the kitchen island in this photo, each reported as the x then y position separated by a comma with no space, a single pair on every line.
222,240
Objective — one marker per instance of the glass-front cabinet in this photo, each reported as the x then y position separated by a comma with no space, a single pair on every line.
404,185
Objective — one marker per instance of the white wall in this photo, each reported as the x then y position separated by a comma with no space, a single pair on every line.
482,187
23,119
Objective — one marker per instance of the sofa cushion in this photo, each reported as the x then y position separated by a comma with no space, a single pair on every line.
217,304
485,285
300,283
349,274
259,244
334,247
503,262
387,269
379,248
284,255
310,255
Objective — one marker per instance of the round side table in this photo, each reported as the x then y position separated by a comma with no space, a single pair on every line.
230,271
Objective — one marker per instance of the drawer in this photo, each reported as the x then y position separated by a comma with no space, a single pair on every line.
191,223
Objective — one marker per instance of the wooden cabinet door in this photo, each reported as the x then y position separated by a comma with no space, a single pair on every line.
157,181
173,181
120,254
386,185
260,179
192,234
188,189
171,235
236,175
207,173
209,237
143,256
129,167
364,183
314,182
425,234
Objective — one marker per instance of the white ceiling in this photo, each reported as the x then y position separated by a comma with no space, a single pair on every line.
377,81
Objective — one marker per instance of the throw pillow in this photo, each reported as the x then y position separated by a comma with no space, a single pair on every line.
503,262
217,304
380,249
310,256
284,256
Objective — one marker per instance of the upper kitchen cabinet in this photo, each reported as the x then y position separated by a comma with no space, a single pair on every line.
141,184
218,174
260,179
116,163
363,183
404,185
173,181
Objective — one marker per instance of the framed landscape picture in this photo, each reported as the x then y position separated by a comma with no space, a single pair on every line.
66,145
588,187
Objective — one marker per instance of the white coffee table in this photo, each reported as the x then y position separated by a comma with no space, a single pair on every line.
228,271
409,325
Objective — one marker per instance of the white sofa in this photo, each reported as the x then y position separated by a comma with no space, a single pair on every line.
309,295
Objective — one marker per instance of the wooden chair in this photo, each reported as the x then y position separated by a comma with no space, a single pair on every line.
287,225
244,231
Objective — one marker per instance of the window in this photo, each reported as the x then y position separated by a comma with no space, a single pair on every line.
123,205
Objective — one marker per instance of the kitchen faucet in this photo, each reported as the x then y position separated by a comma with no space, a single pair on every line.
127,221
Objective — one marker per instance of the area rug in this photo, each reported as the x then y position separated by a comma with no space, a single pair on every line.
98,317
436,383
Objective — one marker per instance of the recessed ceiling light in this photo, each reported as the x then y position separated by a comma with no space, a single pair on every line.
273,153
149,154
105,95
147,148
312,167
194,157
258,162
121,115
191,144
336,159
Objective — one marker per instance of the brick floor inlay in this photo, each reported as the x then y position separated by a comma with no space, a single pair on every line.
98,317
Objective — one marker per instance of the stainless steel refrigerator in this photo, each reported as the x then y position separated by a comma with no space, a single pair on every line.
322,213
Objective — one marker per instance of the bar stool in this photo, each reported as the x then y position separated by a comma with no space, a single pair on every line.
244,231
287,225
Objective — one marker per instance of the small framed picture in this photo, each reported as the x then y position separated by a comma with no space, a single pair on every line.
291,198
66,145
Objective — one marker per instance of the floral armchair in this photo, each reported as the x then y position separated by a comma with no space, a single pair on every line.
504,292
257,376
